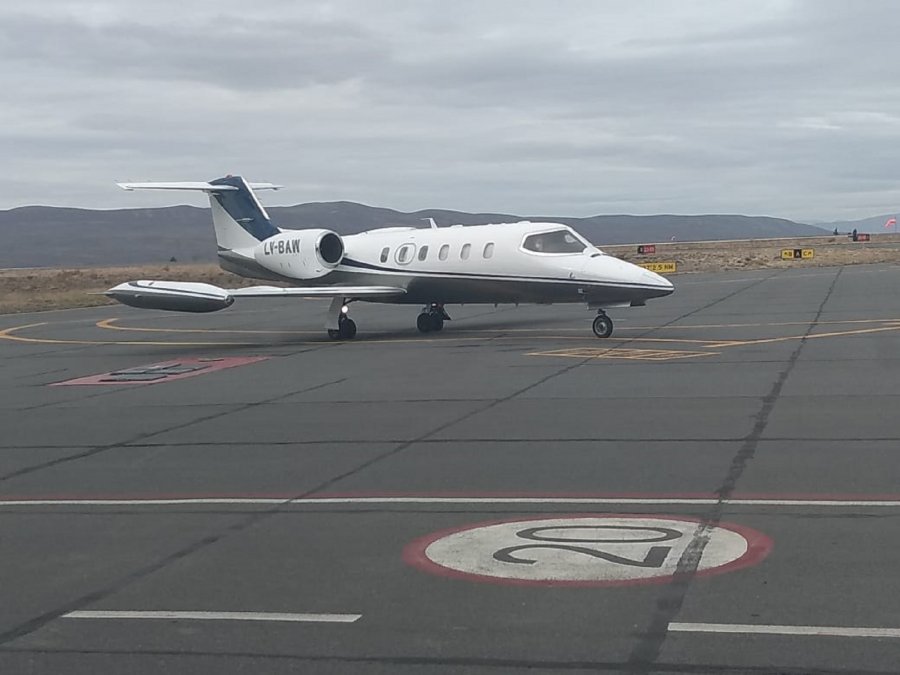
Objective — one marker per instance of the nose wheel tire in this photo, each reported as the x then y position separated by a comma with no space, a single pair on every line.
602,326
428,321
346,330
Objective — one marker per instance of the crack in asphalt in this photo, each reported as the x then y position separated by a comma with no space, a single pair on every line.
645,654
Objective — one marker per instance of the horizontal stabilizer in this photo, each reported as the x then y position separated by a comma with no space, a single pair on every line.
195,185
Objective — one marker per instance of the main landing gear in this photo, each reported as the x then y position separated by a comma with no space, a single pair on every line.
603,325
346,327
432,318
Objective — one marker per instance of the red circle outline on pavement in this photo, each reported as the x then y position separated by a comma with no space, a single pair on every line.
759,546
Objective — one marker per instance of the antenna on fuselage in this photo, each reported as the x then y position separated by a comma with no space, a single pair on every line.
433,224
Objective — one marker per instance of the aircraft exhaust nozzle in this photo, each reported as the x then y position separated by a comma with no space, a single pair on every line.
171,295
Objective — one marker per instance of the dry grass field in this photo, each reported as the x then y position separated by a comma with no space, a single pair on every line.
28,290
24,290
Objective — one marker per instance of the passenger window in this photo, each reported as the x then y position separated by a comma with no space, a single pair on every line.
464,253
489,250
423,253
385,252
405,253
444,252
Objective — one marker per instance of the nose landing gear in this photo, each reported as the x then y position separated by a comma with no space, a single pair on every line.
346,327
603,325
432,318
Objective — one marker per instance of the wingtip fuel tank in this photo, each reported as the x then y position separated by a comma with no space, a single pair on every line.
171,295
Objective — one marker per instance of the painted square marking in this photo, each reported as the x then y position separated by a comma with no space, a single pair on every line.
164,371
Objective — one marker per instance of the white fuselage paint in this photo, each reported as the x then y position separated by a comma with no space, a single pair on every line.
480,264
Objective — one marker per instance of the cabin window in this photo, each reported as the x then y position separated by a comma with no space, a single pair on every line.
385,252
423,253
464,252
444,252
558,241
405,253
489,250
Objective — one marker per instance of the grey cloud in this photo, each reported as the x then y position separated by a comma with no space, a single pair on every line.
243,54
783,108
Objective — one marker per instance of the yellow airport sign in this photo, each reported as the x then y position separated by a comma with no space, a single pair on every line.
797,253
661,267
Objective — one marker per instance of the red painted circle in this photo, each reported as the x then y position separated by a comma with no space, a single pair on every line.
758,547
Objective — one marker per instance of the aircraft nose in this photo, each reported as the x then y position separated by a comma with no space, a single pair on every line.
654,279
648,284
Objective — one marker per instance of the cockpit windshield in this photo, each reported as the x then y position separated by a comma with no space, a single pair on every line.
557,241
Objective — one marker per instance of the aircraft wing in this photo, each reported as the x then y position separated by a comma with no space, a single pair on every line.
315,291
184,296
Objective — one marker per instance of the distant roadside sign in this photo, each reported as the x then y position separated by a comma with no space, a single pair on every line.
863,236
661,267
797,253
646,249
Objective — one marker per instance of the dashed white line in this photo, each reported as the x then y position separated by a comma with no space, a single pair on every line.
215,616
821,631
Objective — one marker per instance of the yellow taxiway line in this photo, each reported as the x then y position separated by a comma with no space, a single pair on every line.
110,324
9,334
886,325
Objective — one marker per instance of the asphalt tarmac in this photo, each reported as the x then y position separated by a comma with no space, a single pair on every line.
714,489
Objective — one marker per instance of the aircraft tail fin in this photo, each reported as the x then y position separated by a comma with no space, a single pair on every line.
239,219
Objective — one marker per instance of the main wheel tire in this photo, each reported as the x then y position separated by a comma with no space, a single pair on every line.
347,329
602,326
423,323
437,322
334,334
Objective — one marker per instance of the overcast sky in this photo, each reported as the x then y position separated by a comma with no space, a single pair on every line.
568,107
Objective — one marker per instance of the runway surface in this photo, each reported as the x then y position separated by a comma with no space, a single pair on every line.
712,490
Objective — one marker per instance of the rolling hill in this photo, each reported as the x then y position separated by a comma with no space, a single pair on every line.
45,236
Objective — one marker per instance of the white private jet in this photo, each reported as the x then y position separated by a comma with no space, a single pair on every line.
521,262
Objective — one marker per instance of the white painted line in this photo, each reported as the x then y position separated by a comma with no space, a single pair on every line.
822,631
625,501
216,616
140,502
315,501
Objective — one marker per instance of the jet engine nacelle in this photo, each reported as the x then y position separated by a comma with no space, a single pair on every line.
301,254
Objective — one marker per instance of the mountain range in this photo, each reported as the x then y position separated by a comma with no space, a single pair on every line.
45,236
